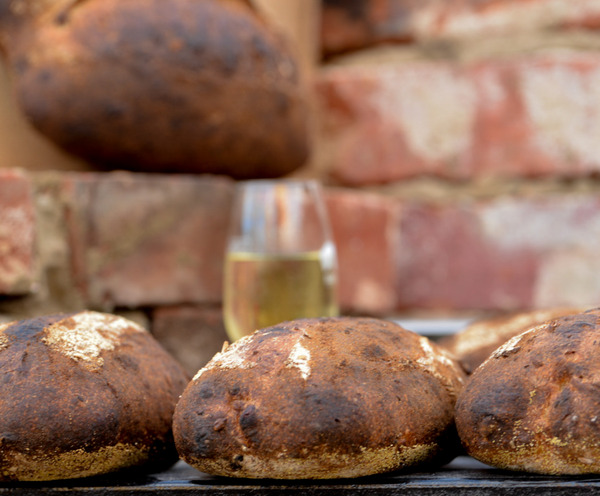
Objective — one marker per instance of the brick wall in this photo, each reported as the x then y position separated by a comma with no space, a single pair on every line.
477,121
457,141
151,247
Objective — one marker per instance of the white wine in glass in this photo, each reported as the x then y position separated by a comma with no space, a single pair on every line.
281,262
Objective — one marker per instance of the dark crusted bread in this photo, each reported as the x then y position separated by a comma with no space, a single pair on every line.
534,405
84,394
474,344
320,398
195,86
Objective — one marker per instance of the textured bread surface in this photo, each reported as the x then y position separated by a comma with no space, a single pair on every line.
84,394
534,404
198,86
319,399
476,342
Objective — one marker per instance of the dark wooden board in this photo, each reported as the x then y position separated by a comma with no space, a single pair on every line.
464,476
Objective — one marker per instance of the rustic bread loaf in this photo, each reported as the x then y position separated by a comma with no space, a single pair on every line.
474,344
195,86
318,399
534,405
84,394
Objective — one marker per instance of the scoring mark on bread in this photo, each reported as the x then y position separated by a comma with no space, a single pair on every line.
432,358
231,357
299,358
85,335
236,356
512,345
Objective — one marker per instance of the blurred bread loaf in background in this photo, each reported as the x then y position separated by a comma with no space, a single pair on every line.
190,86
474,344
21,146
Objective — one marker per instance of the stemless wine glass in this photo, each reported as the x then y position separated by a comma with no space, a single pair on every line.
281,262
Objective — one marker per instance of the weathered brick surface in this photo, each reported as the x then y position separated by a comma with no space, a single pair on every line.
354,24
532,116
191,334
156,243
394,253
17,233
563,231
448,262
365,229
141,240
506,253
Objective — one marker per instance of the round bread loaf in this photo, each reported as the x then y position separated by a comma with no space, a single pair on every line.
194,86
474,344
534,405
320,399
84,394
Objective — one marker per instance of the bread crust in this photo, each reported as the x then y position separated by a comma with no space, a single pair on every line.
534,404
476,342
318,399
148,85
84,394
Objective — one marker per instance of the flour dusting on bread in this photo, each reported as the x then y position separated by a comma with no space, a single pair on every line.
299,358
512,344
433,358
85,335
3,337
232,357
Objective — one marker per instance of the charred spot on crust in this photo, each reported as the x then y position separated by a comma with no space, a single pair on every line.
8,438
576,370
206,391
202,439
236,462
330,415
234,390
373,352
127,361
562,409
493,410
249,422
24,330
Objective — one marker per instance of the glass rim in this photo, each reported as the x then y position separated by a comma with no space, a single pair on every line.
275,182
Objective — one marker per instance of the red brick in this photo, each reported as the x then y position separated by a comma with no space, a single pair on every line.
562,231
356,24
505,253
141,240
446,261
17,233
365,228
75,196
191,334
534,116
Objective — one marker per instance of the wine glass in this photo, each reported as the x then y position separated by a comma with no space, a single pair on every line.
281,262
